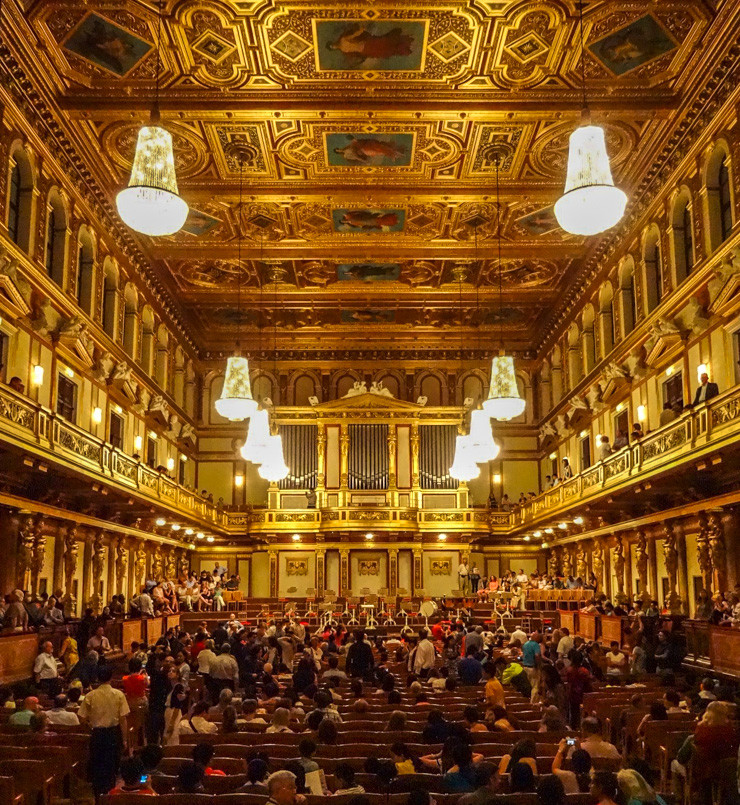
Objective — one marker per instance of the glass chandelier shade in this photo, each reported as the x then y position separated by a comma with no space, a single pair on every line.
236,402
151,204
481,444
591,203
254,448
463,466
274,468
504,401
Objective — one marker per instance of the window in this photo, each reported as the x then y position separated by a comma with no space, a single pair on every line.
14,202
673,391
51,241
85,276
67,399
653,280
687,239
181,473
56,239
622,423
725,200
151,452
115,430
4,345
736,354
585,453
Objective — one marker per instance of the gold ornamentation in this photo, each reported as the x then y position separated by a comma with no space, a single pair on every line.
296,567
440,567
368,567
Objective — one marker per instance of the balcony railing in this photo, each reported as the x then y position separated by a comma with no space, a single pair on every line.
711,425
31,426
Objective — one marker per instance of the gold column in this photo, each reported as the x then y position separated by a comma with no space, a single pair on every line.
718,552
320,580
71,549
344,576
642,555
418,574
38,553
344,462
85,592
320,465
274,579
597,564
392,570
415,488
703,554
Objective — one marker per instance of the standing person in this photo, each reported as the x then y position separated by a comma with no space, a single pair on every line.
706,390
567,470
45,670
106,710
360,659
579,683
69,653
424,655
223,669
531,658
474,577
462,575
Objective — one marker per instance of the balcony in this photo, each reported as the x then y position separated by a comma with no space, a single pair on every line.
33,429
696,434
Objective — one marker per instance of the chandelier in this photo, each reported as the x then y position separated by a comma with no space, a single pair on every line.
590,203
236,402
481,444
258,435
503,400
463,466
273,466
151,203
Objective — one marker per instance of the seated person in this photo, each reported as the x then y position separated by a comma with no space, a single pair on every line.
133,779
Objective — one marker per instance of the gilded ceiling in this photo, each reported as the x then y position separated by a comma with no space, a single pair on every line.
370,202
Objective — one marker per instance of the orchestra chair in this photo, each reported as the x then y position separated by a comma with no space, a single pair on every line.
310,603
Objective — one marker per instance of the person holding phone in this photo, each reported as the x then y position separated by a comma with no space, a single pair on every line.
134,779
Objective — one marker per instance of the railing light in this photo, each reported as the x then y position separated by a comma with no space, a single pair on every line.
442,537
209,538
527,538
578,520
296,537
152,435
549,531
160,521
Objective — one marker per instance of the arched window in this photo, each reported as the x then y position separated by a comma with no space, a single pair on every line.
588,339
130,320
627,296
719,212
56,238
683,238
162,358
653,279
725,199
606,319
85,273
575,360
431,388
110,298
20,199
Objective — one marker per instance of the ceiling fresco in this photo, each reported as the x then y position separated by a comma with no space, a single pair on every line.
377,133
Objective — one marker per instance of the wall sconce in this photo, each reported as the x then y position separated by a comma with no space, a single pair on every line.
69,372
641,413
583,434
497,477
669,371
702,369
37,375
170,464
137,443
238,480
620,407
296,537
544,545
553,456
442,537
152,435
368,535
200,535
97,416
160,521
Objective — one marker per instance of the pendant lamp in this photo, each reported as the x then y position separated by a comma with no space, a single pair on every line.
273,468
463,466
151,203
503,400
482,446
236,402
258,435
590,203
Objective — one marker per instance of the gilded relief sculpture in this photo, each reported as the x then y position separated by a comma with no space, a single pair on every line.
71,549
641,562
670,555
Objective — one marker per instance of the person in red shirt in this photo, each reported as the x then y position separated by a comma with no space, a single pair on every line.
202,755
579,683
133,779
199,643
438,631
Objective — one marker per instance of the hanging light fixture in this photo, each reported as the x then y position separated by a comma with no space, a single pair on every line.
258,435
503,400
274,468
463,466
590,203
482,446
236,402
151,203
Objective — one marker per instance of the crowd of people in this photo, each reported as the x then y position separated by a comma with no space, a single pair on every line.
278,678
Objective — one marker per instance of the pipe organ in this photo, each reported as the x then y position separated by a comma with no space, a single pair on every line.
368,461
436,452
300,449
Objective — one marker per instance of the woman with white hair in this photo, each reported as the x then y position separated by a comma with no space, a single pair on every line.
636,790
280,720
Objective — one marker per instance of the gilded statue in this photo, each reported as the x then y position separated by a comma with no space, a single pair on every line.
581,568
567,562
25,551
71,549
597,562
184,566
171,568
98,562
121,564
38,553
641,562
718,553
704,554
140,566
670,555
552,563
157,564
618,552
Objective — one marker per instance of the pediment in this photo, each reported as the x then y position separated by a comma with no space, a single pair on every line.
368,401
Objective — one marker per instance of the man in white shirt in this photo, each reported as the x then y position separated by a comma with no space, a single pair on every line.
520,635
566,643
59,713
105,709
616,661
45,670
145,605
424,655
462,574
334,671
521,577
224,669
593,743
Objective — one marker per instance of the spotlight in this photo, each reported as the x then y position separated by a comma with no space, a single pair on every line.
442,537
368,535
160,521
296,537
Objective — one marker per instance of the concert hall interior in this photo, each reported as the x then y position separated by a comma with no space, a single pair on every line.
412,318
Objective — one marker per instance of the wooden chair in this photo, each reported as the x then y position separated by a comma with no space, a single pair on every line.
218,784
32,779
7,792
